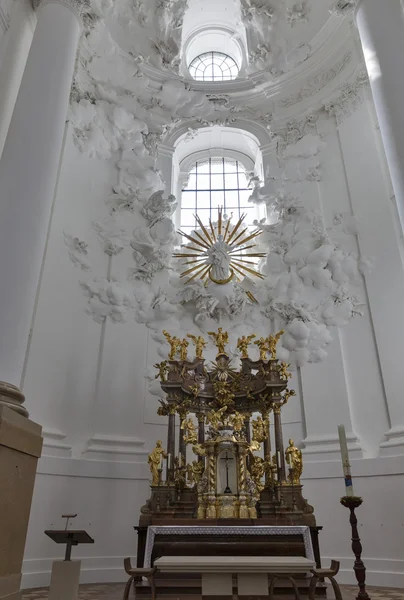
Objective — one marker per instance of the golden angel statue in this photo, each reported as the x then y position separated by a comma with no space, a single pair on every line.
163,370
262,344
191,432
221,339
174,344
215,418
198,450
273,341
257,470
283,371
155,461
195,472
183,349
200,344
243,343
294,459
259,430
254,446
237,421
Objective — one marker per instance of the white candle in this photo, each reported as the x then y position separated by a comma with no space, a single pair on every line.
169,460
345,460
279,459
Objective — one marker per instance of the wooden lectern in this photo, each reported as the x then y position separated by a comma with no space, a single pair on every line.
72,537
66,574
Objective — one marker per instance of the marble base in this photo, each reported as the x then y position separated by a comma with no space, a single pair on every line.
252,584
20,448
65,580
217,585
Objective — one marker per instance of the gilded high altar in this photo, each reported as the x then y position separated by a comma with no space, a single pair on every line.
225,464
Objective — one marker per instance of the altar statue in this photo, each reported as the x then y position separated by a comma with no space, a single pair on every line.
243,343
273,341
157,208
191,432
283,371
237,421
262,344
259,432
218,256
163,370
215,418
155,461
200,344
174,344
221,339
257,470
294,459
195,472
183,349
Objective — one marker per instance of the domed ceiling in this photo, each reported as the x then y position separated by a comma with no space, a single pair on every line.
137,53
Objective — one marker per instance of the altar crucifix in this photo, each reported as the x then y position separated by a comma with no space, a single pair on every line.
227,459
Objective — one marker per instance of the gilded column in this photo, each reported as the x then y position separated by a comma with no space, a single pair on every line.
28,173
267,448
280,453
182,447
201,432
171,444
247,436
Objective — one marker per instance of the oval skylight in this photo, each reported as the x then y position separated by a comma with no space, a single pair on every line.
213,66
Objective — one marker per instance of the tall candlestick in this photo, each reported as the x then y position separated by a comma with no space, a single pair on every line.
345,460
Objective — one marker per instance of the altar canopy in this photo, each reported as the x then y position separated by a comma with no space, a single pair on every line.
225,469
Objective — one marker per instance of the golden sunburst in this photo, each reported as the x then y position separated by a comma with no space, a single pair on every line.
225,239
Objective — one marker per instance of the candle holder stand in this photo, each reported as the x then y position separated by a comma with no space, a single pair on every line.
353,502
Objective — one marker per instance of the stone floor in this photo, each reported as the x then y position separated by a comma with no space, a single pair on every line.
115,592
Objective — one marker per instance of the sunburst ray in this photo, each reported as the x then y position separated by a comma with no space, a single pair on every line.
235,239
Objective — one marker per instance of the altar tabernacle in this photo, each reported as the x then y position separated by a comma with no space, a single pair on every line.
225,470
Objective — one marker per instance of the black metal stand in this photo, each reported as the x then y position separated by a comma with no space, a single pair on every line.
353,502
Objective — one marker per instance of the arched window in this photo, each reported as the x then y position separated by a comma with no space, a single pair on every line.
213,66
212,183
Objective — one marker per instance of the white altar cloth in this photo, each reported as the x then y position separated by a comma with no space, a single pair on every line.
196,530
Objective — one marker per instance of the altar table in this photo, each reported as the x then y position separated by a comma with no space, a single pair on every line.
251,571
154,531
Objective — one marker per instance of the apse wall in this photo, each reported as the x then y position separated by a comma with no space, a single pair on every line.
85,381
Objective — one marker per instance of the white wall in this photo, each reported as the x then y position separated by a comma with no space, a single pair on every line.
85,382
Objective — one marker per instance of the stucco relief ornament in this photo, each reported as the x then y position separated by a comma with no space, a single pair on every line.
343,7
79,6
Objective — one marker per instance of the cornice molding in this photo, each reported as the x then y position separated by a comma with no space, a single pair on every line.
348,99
316,83
79,7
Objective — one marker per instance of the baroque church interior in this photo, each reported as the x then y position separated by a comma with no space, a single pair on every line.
201,267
